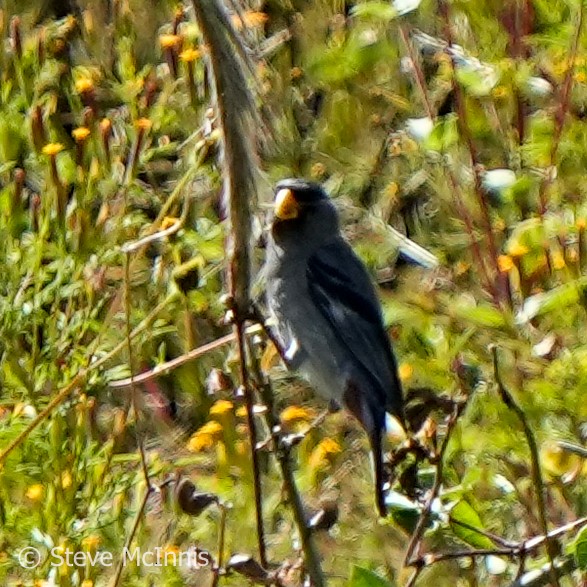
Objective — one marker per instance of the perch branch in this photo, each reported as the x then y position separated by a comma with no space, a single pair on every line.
283,455
236,111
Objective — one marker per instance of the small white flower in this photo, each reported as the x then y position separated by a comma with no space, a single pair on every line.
420,128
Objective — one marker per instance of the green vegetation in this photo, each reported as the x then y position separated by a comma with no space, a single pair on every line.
112,252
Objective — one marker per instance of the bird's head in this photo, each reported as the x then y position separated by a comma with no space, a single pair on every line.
302,210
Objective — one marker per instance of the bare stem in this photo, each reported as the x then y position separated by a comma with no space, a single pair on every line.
221,541
133,389
458,200
465,130
249,402
283,455
561,113
139,515
509,401
416,537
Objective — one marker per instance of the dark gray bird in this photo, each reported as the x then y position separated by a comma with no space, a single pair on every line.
328,317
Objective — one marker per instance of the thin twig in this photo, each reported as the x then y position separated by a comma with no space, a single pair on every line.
221,540
465,129
249,402
460,205
493,537
142,242
419,74
133,389
168,366
79,379
423,519
509,401
563,107
283,456
518,550
129,538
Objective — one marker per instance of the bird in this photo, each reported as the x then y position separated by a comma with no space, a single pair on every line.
327,316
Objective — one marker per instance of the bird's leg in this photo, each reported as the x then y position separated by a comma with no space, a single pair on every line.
286,354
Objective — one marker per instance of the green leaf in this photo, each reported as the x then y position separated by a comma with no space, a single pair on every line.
464,512
481,315
558,298
444,135
361,577
581,549
403,512
477,82
375,10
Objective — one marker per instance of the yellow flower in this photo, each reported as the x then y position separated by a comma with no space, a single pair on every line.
405,371
499,92
189,55
91,542
499,224
171,549
391,190
221,407
395,148
461,268
241,448
168,222
296,73
250,19
52,149
293,414
81,133
558,261
322,455
205,437
35,492
169,41
105,125
87,583
561,67
505,263
66,480
241,412
330,447
143,124
581,223
518,250
580,77
84,85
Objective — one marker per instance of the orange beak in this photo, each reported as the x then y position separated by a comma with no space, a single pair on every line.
286,205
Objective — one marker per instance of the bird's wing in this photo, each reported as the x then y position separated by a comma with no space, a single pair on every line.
342,291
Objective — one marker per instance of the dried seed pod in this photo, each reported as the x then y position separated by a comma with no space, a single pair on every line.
249,567
190,500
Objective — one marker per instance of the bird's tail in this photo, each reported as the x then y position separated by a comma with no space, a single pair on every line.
375,437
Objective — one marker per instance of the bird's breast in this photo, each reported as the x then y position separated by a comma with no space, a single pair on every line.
313,349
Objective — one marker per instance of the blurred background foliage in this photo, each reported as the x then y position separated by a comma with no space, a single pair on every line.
107,136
